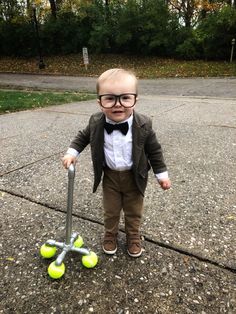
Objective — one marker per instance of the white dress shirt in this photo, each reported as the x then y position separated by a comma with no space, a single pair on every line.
118,149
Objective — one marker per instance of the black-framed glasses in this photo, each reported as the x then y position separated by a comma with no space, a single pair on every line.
126,100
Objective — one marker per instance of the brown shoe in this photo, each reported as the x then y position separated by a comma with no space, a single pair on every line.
109,243
134,246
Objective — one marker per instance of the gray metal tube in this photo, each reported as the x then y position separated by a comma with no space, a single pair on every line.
71,176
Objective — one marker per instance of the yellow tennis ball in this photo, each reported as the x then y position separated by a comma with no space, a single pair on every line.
90,260
79,242
47,251
56,271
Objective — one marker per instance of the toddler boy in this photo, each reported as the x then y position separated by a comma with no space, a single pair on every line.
123,148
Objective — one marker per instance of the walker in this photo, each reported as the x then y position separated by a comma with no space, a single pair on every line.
74,242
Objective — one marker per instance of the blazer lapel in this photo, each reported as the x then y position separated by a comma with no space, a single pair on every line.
97,141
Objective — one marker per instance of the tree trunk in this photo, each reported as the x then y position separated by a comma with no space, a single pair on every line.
53,8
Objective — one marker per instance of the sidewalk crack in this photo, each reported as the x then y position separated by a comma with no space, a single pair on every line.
172,248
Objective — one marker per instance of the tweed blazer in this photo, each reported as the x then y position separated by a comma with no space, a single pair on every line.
146,151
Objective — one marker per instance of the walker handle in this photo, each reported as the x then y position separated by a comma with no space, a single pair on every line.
71,171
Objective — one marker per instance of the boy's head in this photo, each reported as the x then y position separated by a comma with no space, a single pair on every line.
117,93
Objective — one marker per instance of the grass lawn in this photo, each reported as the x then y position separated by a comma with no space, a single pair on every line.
22,100
144,67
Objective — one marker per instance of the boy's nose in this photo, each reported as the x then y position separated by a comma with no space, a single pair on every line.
117,103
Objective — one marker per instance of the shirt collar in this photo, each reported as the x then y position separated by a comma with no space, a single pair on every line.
129,120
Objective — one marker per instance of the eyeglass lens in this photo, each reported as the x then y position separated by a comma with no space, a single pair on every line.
126,100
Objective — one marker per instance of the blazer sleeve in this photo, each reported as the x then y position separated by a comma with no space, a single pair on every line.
92,134
154,152
81,140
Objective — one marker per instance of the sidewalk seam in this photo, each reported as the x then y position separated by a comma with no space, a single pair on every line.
160,244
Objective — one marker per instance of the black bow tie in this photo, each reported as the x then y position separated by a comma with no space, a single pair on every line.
123,127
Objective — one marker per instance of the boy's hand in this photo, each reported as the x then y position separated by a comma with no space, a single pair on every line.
165,184
67,160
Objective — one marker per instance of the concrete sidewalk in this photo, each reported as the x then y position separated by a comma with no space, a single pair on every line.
189,263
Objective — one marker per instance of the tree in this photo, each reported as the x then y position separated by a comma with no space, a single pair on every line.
10,9
53,8
215,33
190,12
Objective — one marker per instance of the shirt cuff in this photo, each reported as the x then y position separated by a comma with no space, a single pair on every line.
162,175
72,152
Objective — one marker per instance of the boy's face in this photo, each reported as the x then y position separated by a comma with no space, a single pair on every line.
124,84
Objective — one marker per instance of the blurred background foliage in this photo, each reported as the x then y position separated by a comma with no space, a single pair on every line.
185,29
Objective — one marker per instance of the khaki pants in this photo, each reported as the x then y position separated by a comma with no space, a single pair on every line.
120,192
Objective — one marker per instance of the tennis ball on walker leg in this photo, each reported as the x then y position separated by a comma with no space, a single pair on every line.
90,260
79,242
47,251
56,271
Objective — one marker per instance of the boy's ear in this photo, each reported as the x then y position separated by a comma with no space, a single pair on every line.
99,103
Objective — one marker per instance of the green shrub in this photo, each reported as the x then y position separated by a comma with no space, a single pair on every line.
188,49
215,33
17,39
